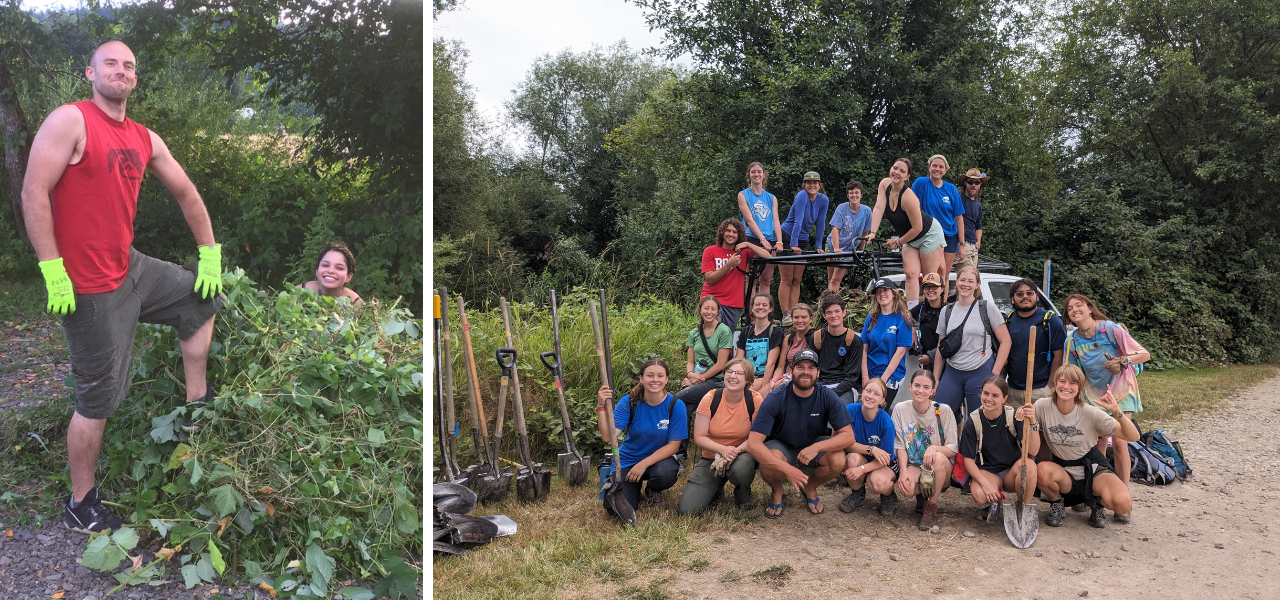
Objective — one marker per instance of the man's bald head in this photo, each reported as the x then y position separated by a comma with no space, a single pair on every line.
114,47
112,72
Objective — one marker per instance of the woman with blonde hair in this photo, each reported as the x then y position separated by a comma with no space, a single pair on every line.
794,341
1077,472
961,374
887,335
721,425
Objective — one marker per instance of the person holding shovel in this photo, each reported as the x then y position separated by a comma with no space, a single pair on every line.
789,432
870,458
991,445
654,424
79,199
926,444
1078,472
720,429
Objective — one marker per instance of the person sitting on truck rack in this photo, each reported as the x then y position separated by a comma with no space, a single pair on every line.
916,233
721,271
849,225
839,351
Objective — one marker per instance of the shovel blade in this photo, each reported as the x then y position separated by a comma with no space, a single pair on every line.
532,484
619,506
1021,523
489,488
578,471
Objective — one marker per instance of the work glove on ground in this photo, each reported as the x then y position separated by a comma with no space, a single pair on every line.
62,297
209,271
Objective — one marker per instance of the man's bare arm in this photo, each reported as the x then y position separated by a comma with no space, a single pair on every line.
173,177
51,150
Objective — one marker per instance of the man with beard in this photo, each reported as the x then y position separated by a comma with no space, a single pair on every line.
79,198
789,432
1051,337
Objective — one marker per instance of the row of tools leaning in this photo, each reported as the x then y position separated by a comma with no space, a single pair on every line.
460,489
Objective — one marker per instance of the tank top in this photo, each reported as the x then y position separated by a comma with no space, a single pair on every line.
898,217
96,199
761,206
798,343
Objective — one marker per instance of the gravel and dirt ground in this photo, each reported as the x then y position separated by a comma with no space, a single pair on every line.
1212,536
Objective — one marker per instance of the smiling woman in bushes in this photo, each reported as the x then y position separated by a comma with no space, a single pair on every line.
334,270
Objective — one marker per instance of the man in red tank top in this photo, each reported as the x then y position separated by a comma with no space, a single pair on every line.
79,198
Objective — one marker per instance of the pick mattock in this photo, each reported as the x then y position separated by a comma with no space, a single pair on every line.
446,368
571,464
613,496
1021,522
532,482
449,474
488,480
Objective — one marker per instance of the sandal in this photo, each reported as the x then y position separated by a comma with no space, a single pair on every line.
778,507
813,504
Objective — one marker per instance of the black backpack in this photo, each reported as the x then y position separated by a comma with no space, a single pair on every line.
715,403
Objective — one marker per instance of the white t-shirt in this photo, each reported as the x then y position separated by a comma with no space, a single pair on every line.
976,341
1070,436
916,432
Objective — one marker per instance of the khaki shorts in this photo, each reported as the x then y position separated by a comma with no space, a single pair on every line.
1018,397
100,332
970,257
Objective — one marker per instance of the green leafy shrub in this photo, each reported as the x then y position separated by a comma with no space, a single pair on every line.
308,466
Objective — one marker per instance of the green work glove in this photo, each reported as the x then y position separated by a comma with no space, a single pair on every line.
62,297
209,271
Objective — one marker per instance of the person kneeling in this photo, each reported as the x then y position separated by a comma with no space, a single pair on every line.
654,424
720,429
991,445
788,433
923,430
1079,473
870,458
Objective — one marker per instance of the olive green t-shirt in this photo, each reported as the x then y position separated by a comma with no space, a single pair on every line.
721,339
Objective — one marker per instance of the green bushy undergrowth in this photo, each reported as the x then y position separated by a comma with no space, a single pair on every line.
309,468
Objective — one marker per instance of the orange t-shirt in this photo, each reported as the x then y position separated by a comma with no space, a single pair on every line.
731,425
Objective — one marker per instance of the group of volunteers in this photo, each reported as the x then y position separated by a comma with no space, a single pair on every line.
810,400
79,199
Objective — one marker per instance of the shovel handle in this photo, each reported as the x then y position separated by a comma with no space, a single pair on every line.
554,364
506,358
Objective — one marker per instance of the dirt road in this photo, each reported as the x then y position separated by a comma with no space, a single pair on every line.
1213,536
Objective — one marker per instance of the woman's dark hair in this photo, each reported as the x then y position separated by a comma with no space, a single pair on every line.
830,299
853,185
346,255
637,390
999,382
904,160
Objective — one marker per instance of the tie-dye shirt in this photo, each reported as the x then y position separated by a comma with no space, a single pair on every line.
1088,353
916,432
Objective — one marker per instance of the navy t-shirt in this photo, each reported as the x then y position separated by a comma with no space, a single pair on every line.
651,430
757,347
890,333
972,219
801,421
1019,335
878,432
1000,449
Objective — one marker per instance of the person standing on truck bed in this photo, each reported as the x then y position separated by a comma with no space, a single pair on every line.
914,231
941,200
972,185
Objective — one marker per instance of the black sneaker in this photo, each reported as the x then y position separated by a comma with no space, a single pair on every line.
1057,510
90,516
853,500
191,423
887,503
1096,518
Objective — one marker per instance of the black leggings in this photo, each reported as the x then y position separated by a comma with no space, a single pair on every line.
661,476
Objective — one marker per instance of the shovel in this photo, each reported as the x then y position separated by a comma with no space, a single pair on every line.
613,494
571,464
449,474
451,417
1021,522
532,482
488,480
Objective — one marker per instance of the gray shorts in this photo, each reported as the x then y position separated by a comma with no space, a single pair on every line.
100,332
930,240
790,453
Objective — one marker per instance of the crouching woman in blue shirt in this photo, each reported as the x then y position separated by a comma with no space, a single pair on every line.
654,423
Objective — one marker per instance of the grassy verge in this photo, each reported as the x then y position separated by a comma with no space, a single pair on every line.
22,300
1178,393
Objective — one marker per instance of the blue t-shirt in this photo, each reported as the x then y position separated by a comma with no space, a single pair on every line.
851,225
803,420
890,333
941,203
972,219
651,430
761,206
804,214
878,432
1019,329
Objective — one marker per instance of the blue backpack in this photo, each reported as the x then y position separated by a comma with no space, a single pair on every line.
1148,467
1169,451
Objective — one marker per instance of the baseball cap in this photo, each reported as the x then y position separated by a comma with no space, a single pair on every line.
931,279
883,282
806,354
812,176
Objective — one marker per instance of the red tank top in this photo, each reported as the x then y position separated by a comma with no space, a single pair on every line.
96,199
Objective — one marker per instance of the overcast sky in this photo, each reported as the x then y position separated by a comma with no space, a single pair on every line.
505,36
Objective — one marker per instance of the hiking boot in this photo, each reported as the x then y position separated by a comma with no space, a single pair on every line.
853,500
995,514
1096,518
1079,508
888,502
654,498
786,320
919,504
1057,510
930,516
89,516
